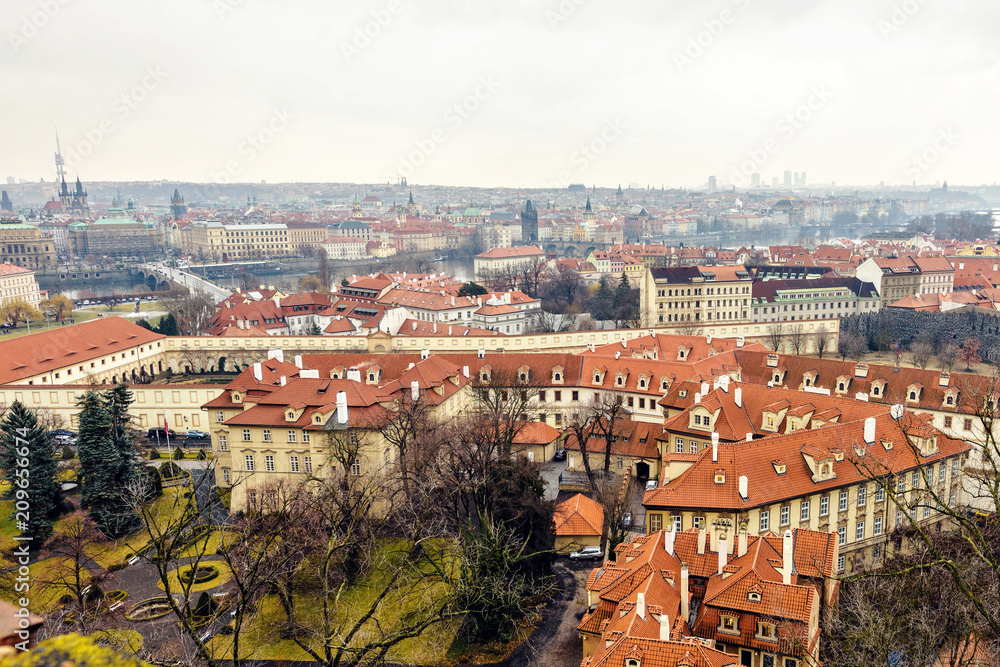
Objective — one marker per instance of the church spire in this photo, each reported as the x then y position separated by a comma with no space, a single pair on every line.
588,205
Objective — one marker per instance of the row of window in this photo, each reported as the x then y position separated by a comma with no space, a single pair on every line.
290,436
250,465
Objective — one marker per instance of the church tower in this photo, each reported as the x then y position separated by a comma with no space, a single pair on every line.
178,208
588,213
78,201
529,223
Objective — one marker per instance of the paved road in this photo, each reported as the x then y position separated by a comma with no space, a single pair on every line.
192,282
550,471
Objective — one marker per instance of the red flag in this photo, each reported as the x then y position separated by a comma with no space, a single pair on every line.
166,427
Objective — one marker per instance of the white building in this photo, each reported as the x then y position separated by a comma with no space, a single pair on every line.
18,283
345,247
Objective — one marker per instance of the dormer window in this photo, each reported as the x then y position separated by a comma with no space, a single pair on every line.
597,378
753,596
291,416
620,380
728,624
720,476
663,384
779,467
523,373
949,400
642,383
765,630
777,378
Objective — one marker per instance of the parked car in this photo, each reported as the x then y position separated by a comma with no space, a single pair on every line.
196,435
560,455
158,434
627,520
587,553
65,440
61,431
651,484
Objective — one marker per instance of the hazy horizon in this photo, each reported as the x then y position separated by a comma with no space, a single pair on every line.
528,94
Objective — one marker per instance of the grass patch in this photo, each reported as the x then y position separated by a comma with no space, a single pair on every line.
49,582
120,639
225,574
166,509
262,632
225,495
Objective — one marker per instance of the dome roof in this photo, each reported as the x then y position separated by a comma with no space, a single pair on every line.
472,212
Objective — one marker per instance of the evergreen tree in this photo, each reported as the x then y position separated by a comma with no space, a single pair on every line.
117,400
601,306
99,465
168,326
23,438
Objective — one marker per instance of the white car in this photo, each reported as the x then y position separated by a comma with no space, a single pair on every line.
587,553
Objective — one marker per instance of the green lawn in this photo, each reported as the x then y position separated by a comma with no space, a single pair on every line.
261,634
225,574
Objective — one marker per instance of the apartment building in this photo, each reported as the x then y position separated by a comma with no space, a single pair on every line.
277,422
24,244
894,278
811,299
214,240
500,259
834,480
701,295
18,283
671,599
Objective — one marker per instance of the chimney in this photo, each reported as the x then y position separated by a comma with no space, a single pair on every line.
724,383
786,552
354,374
415,391
723,551
298,360
870,430
640,605
276,354
482,353
697,398
685,602
743,540
705,388
708,339
749,437
664,627
465,371
283,380
341,407
715,448
701,540
258,374
738,397
744,482
668,540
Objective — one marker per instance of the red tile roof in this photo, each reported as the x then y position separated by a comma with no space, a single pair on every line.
52,349
579,516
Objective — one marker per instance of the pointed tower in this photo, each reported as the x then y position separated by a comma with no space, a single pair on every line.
529,223
588,213
178,208
5,203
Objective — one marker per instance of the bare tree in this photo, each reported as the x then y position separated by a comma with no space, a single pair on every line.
822,342
192,312
775,335
797,337
920,353
852,345
947,356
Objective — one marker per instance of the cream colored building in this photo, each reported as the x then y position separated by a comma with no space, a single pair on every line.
213,240
18,283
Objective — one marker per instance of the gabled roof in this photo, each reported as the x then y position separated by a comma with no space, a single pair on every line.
579,516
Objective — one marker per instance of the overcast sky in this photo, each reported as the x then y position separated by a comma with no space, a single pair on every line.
549,92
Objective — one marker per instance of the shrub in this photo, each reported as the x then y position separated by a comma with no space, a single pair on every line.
206,606
68,453
117,566
153,455
178,454
202,455
170,470
151,482
95,593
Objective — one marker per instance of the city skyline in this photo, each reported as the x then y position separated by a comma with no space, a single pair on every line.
502,95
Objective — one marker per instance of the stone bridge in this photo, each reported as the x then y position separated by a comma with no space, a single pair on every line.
155,280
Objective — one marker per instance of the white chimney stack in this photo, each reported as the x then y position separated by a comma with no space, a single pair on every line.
697,397
298,360
870,430
701,540
415,391
749,437
426,353
354,374
283,381
705,388
786,552
715,448
465,371
664,627
640,605
708,339
685,602
258,373
276,354
744,482
743,541
342,407
738,397
668,540
723,551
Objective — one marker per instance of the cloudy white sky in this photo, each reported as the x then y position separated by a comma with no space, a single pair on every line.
549,91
